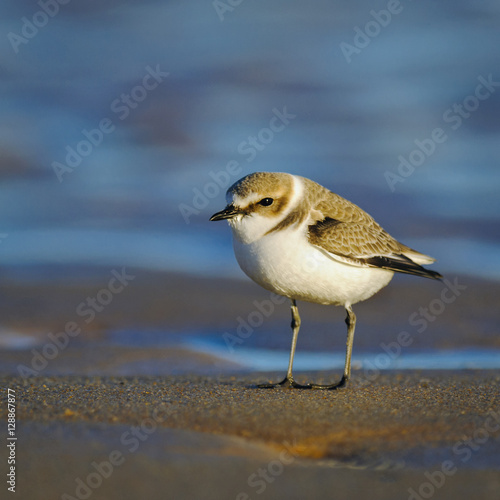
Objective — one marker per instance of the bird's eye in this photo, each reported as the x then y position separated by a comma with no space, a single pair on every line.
265,202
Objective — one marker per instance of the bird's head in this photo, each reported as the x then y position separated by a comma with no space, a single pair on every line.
257,203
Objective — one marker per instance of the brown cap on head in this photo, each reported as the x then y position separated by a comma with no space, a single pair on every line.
261,182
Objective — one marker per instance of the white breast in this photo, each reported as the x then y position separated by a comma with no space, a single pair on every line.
285,263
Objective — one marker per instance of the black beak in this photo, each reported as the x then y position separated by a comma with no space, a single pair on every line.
228,213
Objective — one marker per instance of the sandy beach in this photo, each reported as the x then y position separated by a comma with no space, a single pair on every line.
222,438
105,420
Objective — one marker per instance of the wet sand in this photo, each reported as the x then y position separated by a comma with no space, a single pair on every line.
106,420
181,303
220,437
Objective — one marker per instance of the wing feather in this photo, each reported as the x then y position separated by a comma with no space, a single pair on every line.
348,234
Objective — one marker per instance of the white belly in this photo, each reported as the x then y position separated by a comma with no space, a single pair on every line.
285,263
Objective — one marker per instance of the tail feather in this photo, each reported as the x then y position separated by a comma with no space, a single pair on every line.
403,264
417,257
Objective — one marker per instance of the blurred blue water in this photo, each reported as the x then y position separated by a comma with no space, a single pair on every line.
262,359
271,360
122,204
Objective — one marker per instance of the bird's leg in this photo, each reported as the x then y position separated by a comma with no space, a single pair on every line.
351,324
288,381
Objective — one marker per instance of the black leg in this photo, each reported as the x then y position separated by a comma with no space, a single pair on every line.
351,324
288,381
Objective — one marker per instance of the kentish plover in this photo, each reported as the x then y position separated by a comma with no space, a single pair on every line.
298,239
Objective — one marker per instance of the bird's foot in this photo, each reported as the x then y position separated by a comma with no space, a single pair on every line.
331,387
286,383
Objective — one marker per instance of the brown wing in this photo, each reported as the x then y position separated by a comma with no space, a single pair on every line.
350,235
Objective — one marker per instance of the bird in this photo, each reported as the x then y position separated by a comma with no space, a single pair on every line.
300,240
